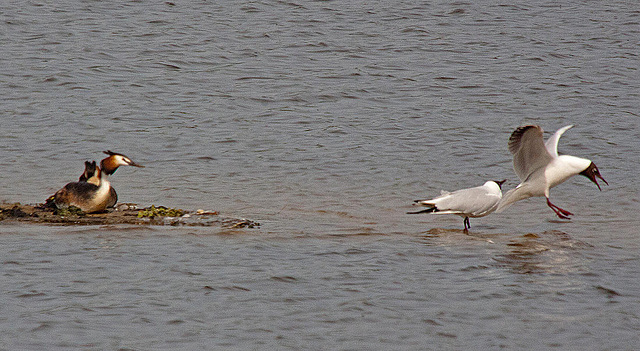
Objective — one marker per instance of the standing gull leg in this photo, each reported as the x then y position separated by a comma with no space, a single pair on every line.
467,225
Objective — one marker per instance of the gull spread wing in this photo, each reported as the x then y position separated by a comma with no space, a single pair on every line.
529,151
552,143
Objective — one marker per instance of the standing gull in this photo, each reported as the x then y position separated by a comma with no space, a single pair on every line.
472,202
540,168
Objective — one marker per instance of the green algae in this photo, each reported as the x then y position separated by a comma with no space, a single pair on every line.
160,211
68,211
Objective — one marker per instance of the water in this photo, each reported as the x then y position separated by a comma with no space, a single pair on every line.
322,120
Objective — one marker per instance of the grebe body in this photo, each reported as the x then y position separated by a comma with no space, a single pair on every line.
92,195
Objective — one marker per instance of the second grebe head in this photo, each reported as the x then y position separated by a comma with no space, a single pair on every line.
91,174
89,169
110,164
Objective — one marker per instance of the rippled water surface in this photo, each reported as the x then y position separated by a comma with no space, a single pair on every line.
322,120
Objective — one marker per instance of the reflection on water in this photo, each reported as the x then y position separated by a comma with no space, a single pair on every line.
552,251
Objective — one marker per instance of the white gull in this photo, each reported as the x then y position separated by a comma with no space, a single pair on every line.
472,202
540,168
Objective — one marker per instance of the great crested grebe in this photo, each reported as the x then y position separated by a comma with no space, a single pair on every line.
93,192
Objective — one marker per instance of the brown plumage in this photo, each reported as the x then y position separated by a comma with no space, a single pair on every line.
92,192
91,195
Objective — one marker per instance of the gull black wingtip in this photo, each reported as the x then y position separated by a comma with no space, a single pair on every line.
428,210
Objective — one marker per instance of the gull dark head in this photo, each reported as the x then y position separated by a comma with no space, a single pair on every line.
592,173
500,182
110,164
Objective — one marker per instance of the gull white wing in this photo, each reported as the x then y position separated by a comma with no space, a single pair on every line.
471,202
552,143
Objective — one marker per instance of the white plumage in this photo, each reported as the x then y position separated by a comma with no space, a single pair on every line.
471,202
540,168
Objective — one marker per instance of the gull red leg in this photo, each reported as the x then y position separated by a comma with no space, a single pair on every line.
564,214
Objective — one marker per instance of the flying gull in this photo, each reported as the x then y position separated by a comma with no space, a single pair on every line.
540,168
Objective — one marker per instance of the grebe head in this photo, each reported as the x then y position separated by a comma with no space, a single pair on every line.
110,164
89,170
91,174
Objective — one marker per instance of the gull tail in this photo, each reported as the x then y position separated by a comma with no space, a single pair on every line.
431,207
509,198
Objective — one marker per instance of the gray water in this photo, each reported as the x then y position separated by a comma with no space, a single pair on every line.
321,120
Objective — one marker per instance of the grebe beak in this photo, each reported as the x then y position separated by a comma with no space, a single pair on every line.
131,163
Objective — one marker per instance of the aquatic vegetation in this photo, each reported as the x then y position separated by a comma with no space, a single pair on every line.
128,214
69,211
12,212
160,211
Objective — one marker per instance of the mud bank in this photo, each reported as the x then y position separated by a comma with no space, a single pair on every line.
122,214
